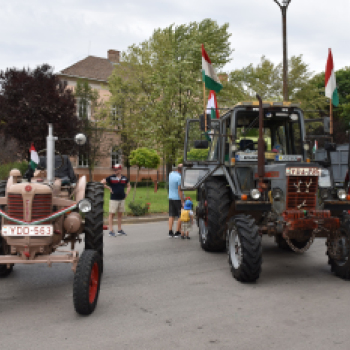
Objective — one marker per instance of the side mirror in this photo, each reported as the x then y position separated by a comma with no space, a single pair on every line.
80,139
202,122
201,144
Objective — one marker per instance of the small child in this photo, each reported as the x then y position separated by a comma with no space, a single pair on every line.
186,219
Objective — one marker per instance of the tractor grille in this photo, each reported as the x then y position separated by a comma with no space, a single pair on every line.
41,206
295,198
15,206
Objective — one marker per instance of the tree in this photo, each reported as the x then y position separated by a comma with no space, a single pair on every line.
91,112
29,100
143,157
158,82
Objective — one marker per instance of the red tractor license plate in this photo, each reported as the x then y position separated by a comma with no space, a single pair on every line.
27,230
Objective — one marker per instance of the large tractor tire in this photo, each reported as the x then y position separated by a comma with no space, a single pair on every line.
340,265
215,205
244,248
4,271
94,219
87,281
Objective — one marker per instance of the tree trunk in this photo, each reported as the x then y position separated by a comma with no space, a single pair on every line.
137,176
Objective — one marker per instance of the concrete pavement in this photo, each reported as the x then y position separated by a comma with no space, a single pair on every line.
161,293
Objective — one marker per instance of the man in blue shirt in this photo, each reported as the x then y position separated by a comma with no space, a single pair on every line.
176,201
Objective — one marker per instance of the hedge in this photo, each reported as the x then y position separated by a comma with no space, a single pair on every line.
6,168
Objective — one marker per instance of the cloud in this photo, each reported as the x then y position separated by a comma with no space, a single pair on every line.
62,32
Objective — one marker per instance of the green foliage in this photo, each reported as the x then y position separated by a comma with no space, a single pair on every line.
145,157
138,209
6,168
157,83
195,155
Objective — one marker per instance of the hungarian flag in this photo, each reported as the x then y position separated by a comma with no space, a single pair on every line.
330,84
209,76
34,158
212,106
315,148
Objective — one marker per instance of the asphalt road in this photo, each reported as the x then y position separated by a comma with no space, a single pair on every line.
161,293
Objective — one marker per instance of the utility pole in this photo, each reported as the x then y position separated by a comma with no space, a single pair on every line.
284,6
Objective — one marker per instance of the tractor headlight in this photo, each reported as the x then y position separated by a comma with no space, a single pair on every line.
277,194
341,194
84,206
306,146
255,193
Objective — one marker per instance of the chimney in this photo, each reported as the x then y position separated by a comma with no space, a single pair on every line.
113,56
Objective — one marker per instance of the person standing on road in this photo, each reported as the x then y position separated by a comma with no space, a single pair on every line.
116,184
176,201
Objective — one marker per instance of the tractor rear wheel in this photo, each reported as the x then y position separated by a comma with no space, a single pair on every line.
87,280
214,208
340,261
4,271
244,248
94,219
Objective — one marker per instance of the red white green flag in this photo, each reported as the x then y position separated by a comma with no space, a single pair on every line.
212,106
34,158
330,83
209,76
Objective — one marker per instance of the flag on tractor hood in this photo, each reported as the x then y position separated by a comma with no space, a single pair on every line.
212,106
315,148
330,83
209,76
34,158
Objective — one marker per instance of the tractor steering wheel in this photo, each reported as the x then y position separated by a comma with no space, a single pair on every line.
40,167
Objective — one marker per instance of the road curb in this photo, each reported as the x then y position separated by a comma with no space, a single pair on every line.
139,220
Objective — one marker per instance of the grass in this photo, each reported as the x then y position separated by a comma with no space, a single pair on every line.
159,202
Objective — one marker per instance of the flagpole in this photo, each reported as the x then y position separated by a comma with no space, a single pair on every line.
331,119
205,114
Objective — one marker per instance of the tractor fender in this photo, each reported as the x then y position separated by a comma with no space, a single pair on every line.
80,190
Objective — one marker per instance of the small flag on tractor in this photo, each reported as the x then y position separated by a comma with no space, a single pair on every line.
209,76
330,83
212,106
315,148
34,158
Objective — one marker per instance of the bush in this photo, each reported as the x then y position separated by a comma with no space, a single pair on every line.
138,209
6,168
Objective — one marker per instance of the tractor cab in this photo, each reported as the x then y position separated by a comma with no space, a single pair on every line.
232,140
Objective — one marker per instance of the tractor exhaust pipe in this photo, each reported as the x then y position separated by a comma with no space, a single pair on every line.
261,146
50,155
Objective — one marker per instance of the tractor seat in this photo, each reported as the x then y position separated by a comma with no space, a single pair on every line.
246,144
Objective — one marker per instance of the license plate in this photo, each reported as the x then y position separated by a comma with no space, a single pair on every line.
27,230
303,172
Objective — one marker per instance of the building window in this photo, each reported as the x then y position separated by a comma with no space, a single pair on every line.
116,113
116,157
82,161
83,108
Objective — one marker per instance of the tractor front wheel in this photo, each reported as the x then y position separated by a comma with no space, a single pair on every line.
244,248
339,250
87,282
214,207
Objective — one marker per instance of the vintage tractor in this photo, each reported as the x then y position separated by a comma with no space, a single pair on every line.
44,213
257,180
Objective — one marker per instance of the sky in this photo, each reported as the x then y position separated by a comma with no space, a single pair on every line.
62,32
